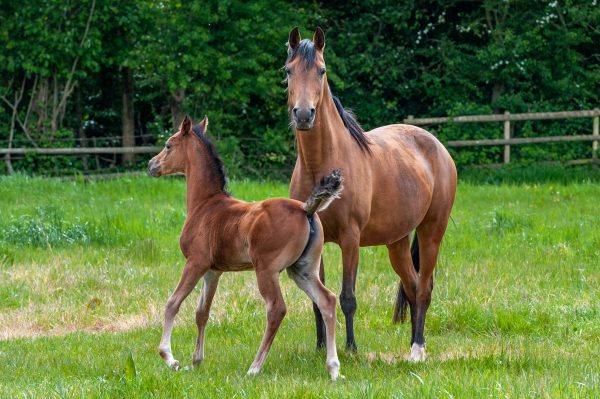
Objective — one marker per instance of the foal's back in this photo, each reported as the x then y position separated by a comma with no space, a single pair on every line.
232,233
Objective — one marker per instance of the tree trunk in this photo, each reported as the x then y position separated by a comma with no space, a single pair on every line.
176,110
127,116
497,91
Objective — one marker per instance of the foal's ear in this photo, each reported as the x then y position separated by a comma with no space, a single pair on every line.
204,124
186,125
293,39
319,39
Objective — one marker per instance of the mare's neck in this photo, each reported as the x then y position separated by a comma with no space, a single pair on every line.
327,140
202,181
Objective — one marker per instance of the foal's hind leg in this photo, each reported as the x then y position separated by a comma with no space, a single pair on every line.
211,280
306,278
189,278
268,285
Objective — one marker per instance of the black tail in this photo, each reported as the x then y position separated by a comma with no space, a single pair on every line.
401,300
328,189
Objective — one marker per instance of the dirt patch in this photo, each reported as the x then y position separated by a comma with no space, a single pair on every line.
19,327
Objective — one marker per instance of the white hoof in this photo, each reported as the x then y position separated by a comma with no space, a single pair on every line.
253,371
175,365
417,353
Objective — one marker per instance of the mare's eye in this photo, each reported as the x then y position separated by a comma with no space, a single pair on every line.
287,71
322,71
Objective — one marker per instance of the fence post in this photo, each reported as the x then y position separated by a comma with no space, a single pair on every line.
595,132
506,137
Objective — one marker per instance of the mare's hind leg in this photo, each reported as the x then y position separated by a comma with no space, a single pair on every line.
268,285
320,324
305,276
430,239
211,280
401,260
350,254
189,278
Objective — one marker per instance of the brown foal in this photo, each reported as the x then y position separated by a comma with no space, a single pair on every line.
222,234
399,178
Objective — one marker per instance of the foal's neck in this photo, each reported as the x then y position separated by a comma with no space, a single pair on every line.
327,140
202,181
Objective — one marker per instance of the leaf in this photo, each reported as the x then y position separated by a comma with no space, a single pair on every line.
130,372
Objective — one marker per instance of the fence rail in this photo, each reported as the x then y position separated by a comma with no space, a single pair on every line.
507,118
506,141
81,150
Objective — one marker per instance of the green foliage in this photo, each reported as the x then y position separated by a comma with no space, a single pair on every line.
386,60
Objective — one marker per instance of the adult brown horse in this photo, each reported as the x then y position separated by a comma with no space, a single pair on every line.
222,234
399,178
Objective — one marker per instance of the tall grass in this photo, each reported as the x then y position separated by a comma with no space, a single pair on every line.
86,267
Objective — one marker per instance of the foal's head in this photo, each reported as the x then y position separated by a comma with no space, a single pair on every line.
174,156
306,77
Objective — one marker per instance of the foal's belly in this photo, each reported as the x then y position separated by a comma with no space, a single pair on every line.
233,267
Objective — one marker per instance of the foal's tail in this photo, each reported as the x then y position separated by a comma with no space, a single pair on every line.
401,300
323,195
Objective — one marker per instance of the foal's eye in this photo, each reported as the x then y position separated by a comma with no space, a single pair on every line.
168,146
288,71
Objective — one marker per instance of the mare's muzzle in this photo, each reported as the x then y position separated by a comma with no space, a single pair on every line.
304,118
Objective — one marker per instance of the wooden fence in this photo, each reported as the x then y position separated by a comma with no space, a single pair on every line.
507,118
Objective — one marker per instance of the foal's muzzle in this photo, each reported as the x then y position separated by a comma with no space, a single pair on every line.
154,168
303,118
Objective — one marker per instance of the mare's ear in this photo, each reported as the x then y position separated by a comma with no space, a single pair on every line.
319,39
293,39
204,124
186,125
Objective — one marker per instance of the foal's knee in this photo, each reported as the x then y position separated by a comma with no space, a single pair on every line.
276,312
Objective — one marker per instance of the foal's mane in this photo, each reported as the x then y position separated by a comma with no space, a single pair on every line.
307,52
214,158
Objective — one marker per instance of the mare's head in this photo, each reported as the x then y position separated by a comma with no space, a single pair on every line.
174,156
306,79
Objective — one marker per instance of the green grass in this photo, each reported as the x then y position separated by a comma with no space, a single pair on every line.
86,267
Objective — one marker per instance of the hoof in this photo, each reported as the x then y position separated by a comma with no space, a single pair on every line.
253,371
417,353
175,365
196,361
339,379
351,347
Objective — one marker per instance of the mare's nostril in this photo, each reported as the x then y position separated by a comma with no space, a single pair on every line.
294,111
312,112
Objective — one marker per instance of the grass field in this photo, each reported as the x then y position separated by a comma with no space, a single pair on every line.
86,267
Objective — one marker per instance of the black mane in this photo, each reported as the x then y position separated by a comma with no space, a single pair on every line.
307,52
355,129
216,161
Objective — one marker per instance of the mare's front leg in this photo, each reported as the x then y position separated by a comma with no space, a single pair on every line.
350,253
211,280
189,278
268,285
320,324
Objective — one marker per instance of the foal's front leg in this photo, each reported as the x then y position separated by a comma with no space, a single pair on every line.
211,280
268,285
189,278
